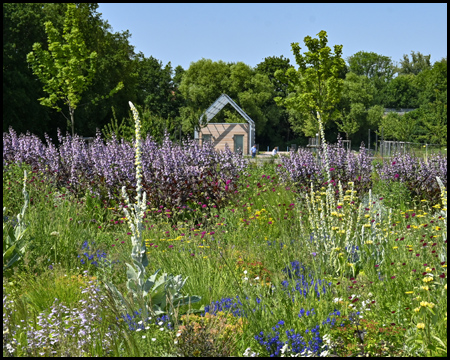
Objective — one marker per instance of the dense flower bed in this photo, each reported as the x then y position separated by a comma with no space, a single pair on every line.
304,167
173,174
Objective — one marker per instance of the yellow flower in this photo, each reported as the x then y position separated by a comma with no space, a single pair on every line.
428,269
421,326
367,225
367,215
395,247
427,279
369,242
409,292
445,286
417,309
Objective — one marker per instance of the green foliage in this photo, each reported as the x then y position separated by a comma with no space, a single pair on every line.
22,27
370,338
14,242
206,80
122,131
63,69
401,92
418,63
378,68
315,86
356,98
213,336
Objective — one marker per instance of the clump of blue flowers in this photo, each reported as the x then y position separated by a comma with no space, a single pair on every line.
231,305
93,257
135,321
296,343
302,284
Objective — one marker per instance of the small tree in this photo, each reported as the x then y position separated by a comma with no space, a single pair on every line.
67,68
316,86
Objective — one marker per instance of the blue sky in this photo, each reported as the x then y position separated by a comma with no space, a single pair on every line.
184,33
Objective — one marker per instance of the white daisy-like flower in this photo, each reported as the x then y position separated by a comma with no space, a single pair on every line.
153,339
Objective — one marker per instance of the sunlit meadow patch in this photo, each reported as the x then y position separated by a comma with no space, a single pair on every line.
292,269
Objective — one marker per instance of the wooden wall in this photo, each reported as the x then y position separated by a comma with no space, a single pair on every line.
223,134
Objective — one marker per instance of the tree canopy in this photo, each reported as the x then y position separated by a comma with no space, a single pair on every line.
315,86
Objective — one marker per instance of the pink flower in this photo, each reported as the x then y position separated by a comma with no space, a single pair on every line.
331,169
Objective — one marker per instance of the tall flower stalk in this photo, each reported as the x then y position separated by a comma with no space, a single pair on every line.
138,253
154,295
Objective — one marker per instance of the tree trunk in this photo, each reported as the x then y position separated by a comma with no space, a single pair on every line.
72,119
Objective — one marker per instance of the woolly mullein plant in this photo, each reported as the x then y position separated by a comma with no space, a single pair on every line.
154,295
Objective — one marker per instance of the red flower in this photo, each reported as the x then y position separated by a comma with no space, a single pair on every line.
442,276
393,312
377,266
392,277
417,254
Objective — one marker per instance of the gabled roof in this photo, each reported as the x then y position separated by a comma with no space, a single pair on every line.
219,104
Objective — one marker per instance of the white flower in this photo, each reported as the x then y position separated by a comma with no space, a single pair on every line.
143,336
138,329
160,323
245,272
153,339
257,278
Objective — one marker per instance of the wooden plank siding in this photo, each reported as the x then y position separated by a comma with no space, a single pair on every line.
222,133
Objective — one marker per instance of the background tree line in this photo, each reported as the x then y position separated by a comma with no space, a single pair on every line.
173,99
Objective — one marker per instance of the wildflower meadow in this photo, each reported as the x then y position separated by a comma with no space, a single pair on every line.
149,248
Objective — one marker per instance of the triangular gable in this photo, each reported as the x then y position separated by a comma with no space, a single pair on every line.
219,104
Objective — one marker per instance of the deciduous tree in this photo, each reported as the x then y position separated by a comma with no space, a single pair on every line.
67,68
315,86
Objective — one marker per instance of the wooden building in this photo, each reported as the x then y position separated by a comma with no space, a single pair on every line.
239,137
